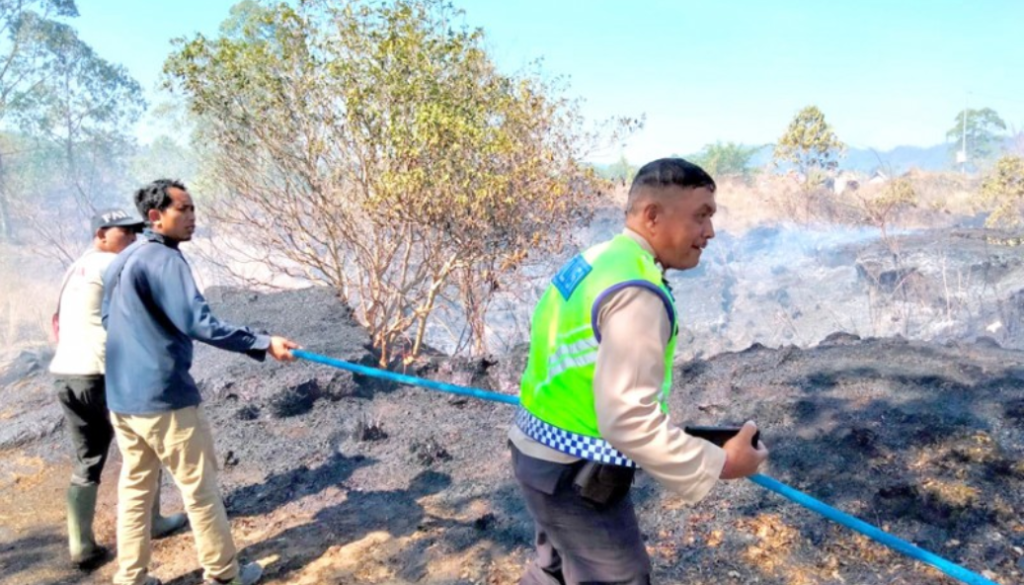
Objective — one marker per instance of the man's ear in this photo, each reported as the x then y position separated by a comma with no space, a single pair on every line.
651,211
101,233
153,216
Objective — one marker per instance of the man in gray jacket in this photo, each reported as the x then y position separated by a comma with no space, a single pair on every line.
153,311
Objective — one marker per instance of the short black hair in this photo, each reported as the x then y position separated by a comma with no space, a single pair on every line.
155,196
668,172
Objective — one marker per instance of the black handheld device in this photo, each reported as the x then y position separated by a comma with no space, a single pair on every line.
719,435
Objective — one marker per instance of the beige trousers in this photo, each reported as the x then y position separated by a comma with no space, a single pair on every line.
182,442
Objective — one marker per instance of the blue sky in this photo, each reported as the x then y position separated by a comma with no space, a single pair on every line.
885,73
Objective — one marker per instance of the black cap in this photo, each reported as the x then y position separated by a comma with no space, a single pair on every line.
107,218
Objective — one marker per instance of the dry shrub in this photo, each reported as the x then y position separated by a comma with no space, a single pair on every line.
942,197
28,297
769,198
743,205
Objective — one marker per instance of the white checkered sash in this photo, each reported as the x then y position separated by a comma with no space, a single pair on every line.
582,446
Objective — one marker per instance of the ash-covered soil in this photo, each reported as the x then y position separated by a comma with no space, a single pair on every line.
331,478
783,285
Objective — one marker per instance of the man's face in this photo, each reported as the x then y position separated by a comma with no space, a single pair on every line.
116,239
178,221
682,228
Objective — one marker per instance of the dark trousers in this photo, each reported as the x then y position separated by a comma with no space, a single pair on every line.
84,401
578,541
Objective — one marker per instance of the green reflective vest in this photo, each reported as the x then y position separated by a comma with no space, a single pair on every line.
557,386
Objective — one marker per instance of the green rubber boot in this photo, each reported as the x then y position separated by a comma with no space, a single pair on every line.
81,510
165,525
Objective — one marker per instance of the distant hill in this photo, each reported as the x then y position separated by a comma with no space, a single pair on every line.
900,159
865,160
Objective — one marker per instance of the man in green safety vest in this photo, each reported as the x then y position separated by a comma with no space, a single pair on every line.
595,391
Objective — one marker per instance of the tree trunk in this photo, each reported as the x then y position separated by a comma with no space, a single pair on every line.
5,213
5,219
421,329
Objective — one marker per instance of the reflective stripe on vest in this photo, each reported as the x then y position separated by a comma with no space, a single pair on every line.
557,386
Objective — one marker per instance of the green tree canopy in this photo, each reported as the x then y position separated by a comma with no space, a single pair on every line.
64,102
985,132
809,143
375,148
621,171
726,159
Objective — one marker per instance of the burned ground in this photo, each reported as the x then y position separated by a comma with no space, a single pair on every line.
330,478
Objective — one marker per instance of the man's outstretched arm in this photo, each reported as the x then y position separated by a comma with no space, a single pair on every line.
179,298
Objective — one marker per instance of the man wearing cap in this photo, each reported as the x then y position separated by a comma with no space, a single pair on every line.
595,390
78,367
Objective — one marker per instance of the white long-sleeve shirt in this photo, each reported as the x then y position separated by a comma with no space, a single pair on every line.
81,349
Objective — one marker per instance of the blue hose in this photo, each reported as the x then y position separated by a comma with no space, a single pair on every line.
402,378
876,534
